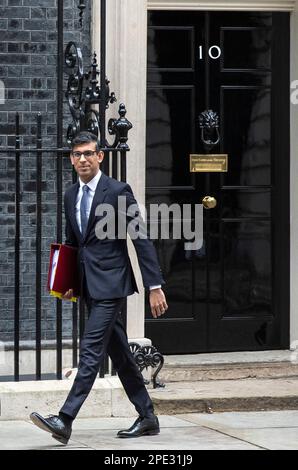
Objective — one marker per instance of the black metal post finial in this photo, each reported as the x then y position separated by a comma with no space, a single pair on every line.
93,92
120,128
81,7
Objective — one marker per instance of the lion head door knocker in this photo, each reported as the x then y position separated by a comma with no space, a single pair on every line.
209,125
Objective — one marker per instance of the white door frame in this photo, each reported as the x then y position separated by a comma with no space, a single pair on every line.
231,5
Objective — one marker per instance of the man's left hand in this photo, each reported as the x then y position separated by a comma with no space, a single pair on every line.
158,302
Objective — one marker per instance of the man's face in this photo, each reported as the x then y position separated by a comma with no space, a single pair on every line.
86,165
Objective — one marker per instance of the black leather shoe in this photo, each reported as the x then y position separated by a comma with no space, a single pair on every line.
60,430
142,427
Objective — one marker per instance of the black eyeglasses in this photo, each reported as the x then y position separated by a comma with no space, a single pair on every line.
87,154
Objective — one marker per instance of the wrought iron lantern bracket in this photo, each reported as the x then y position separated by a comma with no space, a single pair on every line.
84,97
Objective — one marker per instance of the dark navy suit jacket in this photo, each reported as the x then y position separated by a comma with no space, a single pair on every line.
105,263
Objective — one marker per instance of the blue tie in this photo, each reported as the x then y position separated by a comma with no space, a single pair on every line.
83,210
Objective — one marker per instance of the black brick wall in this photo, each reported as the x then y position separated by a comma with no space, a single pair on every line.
28,47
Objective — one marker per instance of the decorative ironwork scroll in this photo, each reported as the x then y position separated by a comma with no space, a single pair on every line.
148,356
84,98
74,68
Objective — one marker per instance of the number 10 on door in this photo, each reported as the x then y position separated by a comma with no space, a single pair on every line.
214,52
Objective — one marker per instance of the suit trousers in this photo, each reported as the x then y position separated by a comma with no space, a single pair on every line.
104,332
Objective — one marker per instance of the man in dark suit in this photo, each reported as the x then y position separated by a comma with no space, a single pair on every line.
107,279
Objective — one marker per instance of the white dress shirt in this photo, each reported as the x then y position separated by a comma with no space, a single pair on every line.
92,185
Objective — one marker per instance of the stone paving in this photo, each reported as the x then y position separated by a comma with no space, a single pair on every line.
273,430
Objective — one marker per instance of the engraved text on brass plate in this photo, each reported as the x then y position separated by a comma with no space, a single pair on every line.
208,163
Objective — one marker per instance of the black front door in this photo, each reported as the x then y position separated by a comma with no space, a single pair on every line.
232,293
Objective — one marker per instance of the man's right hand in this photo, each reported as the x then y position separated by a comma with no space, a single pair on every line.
68,295
158,302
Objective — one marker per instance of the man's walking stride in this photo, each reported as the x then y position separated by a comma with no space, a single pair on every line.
107,279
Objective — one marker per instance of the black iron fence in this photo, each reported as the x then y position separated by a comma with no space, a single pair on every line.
88,97
114,165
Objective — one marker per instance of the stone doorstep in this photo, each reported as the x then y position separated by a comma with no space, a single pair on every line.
194,372
227,395
221,405
230,366
108,399
19,399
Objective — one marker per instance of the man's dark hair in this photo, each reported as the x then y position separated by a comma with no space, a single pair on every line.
85,138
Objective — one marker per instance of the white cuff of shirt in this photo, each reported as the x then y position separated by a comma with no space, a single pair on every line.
154,287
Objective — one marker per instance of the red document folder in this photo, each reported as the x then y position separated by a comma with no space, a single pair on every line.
63,271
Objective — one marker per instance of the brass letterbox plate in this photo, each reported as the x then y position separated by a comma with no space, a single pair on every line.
209,163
